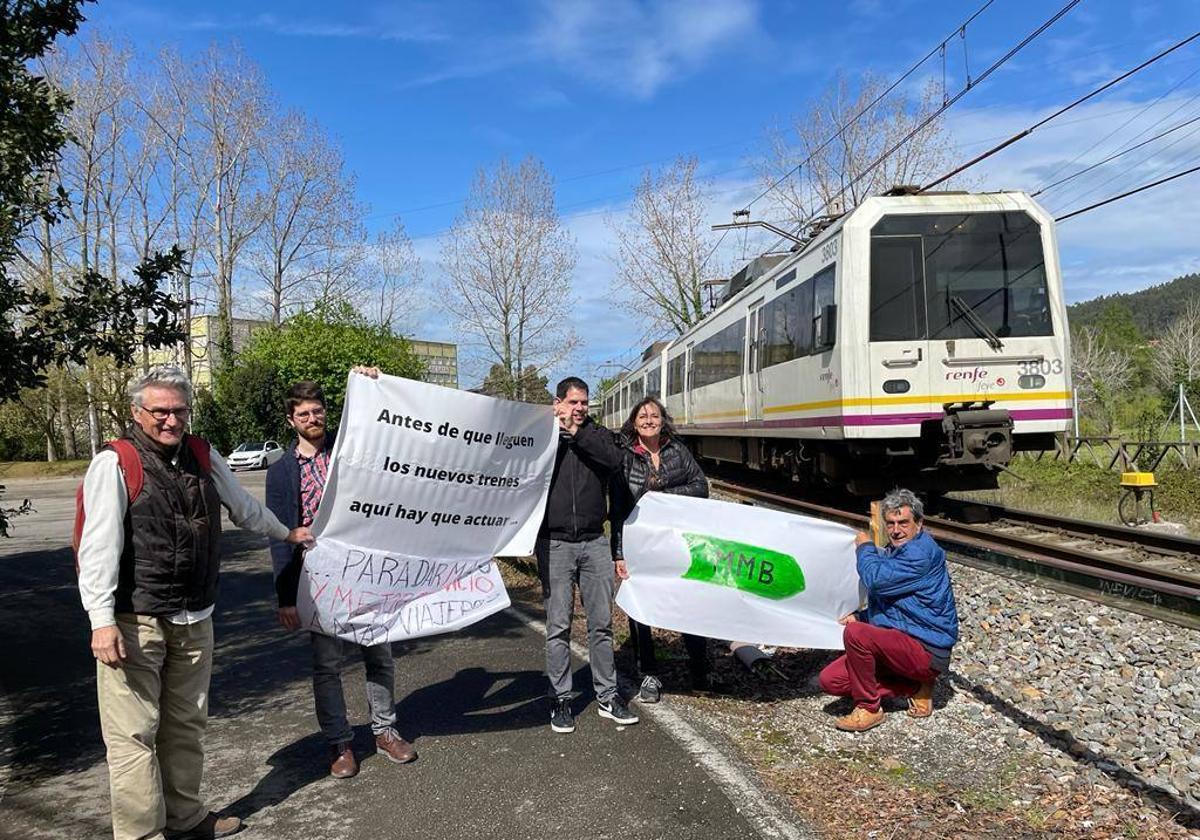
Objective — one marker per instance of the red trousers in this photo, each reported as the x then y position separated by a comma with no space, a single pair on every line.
879,662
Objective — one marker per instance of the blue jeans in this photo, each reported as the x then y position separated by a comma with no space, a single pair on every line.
329,655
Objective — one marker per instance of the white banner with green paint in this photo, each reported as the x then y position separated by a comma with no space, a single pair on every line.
730,571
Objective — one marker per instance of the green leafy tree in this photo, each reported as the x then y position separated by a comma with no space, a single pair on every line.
94,314
322,346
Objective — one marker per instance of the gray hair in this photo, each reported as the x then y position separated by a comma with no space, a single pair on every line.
898,499
160,376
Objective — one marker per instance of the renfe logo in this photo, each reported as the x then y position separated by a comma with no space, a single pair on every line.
973,375
750,568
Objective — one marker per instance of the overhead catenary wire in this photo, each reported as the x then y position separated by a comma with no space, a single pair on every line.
1126,194
1026,132
997,64
1114,156
941,46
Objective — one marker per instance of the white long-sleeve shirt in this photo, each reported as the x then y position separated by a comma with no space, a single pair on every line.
105,502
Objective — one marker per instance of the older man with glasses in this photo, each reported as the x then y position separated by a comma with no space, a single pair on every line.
148,569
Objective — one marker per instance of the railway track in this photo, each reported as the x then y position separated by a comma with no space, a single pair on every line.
1148,572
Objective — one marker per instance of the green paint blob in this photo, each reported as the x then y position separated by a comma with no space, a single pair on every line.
750,568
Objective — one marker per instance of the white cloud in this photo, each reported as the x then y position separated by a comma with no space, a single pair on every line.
636,48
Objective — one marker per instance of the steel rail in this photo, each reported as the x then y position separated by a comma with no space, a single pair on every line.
1163,590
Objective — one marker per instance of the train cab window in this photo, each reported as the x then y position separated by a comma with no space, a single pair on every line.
822,284
675,375
897,284
984,274
787,325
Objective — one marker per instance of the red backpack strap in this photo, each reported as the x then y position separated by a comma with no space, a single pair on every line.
131,465
202,452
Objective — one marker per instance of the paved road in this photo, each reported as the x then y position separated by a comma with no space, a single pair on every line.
472,702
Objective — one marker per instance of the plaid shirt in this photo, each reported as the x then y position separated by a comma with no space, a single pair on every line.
313,472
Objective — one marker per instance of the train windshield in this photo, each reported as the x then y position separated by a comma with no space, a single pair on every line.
962,275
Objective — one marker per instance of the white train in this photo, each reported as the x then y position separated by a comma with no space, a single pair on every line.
919,340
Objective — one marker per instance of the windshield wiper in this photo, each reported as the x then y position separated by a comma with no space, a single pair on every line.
972,317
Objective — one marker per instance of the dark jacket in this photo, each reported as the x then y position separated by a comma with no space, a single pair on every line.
908,589
283,499
578,502
172,554
678,473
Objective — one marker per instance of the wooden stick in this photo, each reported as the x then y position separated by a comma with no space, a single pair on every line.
878,534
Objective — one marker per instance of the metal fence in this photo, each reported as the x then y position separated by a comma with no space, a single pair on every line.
1121,455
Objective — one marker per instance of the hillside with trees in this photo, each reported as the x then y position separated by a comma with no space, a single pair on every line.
1151,310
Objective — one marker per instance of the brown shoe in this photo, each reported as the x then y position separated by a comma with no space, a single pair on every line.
394,748
212,826
920,705
860,720
342,763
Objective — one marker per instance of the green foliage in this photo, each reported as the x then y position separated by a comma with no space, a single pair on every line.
321,346
530,387
20,438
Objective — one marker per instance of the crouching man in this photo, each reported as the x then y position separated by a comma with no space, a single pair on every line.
901,641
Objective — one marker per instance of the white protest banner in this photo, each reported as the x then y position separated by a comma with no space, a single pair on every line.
426,485
730,571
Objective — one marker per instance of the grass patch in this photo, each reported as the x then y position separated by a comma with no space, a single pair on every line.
42,469
1084,490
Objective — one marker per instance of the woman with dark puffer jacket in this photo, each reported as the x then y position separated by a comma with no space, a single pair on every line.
655,459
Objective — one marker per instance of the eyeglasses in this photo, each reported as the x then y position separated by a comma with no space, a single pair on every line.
161,414
306,415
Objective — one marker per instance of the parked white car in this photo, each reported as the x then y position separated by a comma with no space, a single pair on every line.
253,455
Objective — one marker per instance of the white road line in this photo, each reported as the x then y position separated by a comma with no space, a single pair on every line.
739,788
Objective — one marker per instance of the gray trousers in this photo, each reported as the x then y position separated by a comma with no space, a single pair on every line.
588,564
329,656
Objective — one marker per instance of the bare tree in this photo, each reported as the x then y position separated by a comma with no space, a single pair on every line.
394,274
836,175
310,213
1176,357
508,263
1100,373
665,247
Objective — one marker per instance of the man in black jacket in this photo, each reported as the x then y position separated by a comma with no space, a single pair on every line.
295,484
572,549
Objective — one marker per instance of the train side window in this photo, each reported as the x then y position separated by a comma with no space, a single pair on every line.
654,382
897,289
822,284
675,375
719,357
787,321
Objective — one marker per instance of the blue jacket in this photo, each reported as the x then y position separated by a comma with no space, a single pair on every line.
283,499
908,589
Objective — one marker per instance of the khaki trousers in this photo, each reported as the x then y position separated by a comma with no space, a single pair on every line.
153,711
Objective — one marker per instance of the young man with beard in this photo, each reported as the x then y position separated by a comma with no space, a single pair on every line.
295,484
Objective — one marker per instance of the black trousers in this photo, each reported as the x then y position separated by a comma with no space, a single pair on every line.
697,651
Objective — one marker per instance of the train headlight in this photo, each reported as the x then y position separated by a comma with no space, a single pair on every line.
1031,380
896,386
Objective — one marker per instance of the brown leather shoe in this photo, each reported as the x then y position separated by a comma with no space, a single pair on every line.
391,746
860,720
920,705
342,764
209,828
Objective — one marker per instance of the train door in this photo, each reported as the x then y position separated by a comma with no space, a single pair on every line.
901,372
752,385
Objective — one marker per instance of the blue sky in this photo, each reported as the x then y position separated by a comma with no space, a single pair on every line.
420,95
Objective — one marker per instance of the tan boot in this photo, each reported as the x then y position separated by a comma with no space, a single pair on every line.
920,705
860,720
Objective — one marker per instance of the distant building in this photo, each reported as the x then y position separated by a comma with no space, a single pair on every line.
441,361
203,348
440,357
